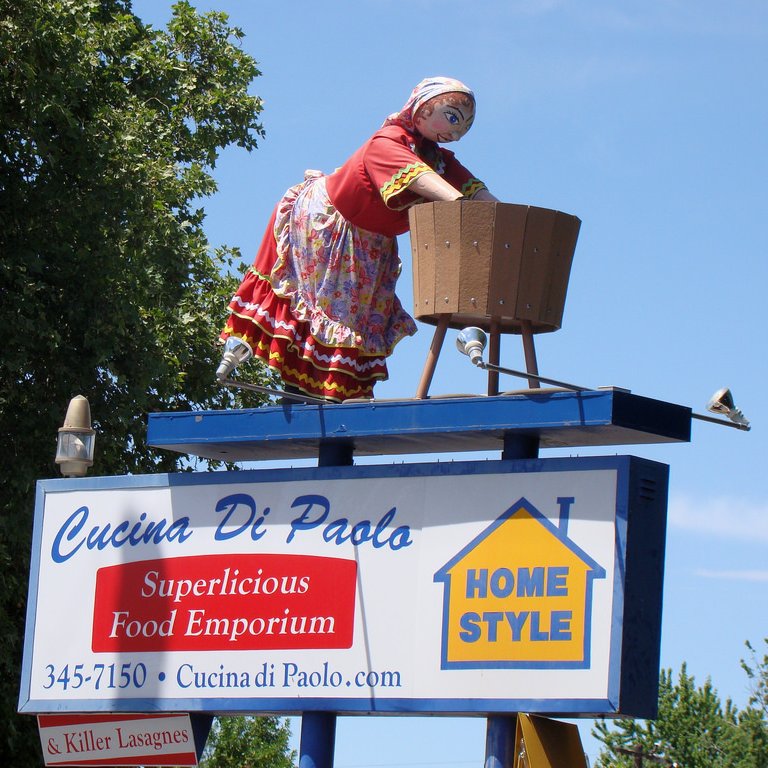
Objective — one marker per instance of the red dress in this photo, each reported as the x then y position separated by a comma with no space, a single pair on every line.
319,304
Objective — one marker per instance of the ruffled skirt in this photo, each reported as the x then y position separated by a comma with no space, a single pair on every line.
319,305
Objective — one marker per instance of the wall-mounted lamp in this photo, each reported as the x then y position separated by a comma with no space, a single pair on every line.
74,448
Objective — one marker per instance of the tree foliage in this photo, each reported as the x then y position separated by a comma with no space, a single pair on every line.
757,672
248,742
693,730
109,130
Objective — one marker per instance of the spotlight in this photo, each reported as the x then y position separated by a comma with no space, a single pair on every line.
722,402
236,351
471,342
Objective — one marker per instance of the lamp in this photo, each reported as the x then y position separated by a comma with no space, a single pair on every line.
74,448
722,402
471,342
236,351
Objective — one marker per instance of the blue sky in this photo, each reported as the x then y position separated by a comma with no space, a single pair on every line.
647,120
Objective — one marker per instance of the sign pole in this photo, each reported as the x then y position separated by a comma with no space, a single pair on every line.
318,739
500,741
318,729
501,729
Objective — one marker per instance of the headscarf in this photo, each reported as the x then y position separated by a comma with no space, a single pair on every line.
427,89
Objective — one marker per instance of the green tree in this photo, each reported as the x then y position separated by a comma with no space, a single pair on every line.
757,672
693,730
109,131
248,742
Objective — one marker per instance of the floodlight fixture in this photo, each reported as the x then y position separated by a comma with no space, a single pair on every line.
236,351
722,402
471,342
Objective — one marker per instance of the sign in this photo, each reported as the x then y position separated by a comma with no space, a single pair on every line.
474,587
544,743
117,740
523,596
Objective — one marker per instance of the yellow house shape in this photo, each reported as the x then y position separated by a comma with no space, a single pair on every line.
518,596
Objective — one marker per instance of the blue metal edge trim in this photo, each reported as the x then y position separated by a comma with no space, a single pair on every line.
479,707
289,474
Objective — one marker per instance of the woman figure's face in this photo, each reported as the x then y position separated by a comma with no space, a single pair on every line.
445,118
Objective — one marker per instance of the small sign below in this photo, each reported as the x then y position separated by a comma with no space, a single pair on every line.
117,740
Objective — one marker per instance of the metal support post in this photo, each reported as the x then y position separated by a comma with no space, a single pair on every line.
318,729
500,741
318,739
500,729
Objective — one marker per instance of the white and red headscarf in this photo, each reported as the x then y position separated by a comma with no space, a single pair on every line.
427,89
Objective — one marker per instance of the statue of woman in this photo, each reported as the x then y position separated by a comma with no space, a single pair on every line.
319,304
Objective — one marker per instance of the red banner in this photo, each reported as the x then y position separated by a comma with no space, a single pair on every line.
225,602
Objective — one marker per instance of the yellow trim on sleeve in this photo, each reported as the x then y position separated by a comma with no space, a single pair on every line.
402,180
472,187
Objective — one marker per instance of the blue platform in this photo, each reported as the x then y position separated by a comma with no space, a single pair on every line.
555,418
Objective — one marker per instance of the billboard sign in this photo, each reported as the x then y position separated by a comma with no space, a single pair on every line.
474,587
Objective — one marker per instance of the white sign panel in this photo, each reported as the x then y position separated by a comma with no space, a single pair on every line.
460,587
117,740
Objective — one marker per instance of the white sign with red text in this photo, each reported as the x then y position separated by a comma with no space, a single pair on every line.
459,587
117,740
